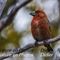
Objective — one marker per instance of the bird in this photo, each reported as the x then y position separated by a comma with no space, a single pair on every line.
40,28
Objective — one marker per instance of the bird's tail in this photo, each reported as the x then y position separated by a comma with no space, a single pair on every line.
49,48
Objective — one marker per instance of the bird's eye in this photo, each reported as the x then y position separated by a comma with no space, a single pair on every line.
33,13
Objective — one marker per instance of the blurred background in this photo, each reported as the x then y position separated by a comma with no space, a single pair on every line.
18,33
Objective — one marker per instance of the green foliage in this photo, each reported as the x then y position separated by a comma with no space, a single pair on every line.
11,37
3,42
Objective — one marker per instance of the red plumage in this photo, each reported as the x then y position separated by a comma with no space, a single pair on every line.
40,27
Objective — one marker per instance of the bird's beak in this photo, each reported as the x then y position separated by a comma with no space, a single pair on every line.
33,14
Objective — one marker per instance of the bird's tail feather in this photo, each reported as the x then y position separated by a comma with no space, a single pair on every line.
49,48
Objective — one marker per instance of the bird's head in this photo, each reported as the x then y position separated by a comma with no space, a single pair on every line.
38,13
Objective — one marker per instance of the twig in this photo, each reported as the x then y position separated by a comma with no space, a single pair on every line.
29,46
9,18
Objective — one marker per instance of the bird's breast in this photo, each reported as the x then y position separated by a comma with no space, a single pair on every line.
40,30
36,30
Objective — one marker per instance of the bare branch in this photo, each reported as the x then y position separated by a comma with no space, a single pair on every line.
9,18
29,46
2,5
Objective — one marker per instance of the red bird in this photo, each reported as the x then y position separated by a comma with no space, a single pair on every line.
40,28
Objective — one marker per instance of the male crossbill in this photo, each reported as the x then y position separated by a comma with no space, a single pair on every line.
40,28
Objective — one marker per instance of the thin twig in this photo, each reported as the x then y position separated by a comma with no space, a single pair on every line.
29,46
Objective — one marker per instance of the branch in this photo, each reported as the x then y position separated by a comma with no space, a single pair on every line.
29,46
9,18
2,6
